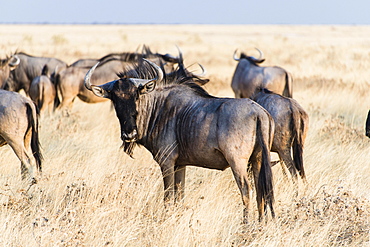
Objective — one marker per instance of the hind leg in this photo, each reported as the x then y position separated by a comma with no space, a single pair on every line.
285,157
26,158
241,178
256,165
239,169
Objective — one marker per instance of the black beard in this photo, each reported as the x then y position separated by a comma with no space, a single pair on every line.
128,147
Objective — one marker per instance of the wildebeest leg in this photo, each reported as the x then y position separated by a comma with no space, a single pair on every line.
256,167
286,157
66,105
25,156
180,172
168,182
239,169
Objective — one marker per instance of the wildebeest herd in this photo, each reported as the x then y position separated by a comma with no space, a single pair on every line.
162,106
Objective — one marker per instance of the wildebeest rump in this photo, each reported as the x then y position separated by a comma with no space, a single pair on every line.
367,126
249,76
30,67
19,129
291,125
6,65
181,125
42,92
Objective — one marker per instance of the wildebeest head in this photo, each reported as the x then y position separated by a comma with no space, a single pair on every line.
6,65
251,59
124,94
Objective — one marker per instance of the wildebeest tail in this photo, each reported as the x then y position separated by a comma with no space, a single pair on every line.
265,187
56,82
367,125
299,129
32,115
41,95
288,90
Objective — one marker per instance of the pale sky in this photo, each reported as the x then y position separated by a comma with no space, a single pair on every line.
351,12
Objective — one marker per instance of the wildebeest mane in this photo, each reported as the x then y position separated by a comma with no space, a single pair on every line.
179,76
22,53
124,57
249,58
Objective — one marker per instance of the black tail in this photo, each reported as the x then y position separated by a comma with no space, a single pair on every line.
32,115
367,125
299,127
56,81
265,186
288,90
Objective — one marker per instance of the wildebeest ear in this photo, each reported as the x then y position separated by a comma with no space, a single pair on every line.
100,92
147,87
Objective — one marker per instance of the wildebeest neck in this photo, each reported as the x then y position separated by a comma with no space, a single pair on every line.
164,110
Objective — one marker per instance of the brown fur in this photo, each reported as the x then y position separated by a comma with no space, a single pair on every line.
19,129
291,125
42,92
249,77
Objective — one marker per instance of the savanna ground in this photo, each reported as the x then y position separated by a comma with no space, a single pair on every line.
92,194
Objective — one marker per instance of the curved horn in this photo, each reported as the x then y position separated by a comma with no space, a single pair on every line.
157,69
203,71
261,54
88,75
235,58
16,62
180,53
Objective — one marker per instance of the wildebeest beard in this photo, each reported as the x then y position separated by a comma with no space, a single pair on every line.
128,147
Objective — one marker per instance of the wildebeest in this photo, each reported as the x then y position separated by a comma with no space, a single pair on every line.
367,126
291,126
6,65
249,76
42,92
181,125
19,129
29,67
69,82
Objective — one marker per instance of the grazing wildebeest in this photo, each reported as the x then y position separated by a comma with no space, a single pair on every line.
6,65
367,127
181,125
42,92
291,125
30,67
249,76
19,129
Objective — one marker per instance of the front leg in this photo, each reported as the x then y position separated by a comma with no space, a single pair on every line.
180,172
168,182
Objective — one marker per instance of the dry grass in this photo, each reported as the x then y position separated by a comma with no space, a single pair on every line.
92,194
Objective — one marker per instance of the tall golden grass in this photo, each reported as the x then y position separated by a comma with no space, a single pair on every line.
92,194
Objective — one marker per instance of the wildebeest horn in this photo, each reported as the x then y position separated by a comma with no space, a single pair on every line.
235,58
180,53
87,82
157,69
203,71
260,59
16,62
261,54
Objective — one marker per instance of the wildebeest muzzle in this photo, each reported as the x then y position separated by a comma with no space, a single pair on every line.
129,137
